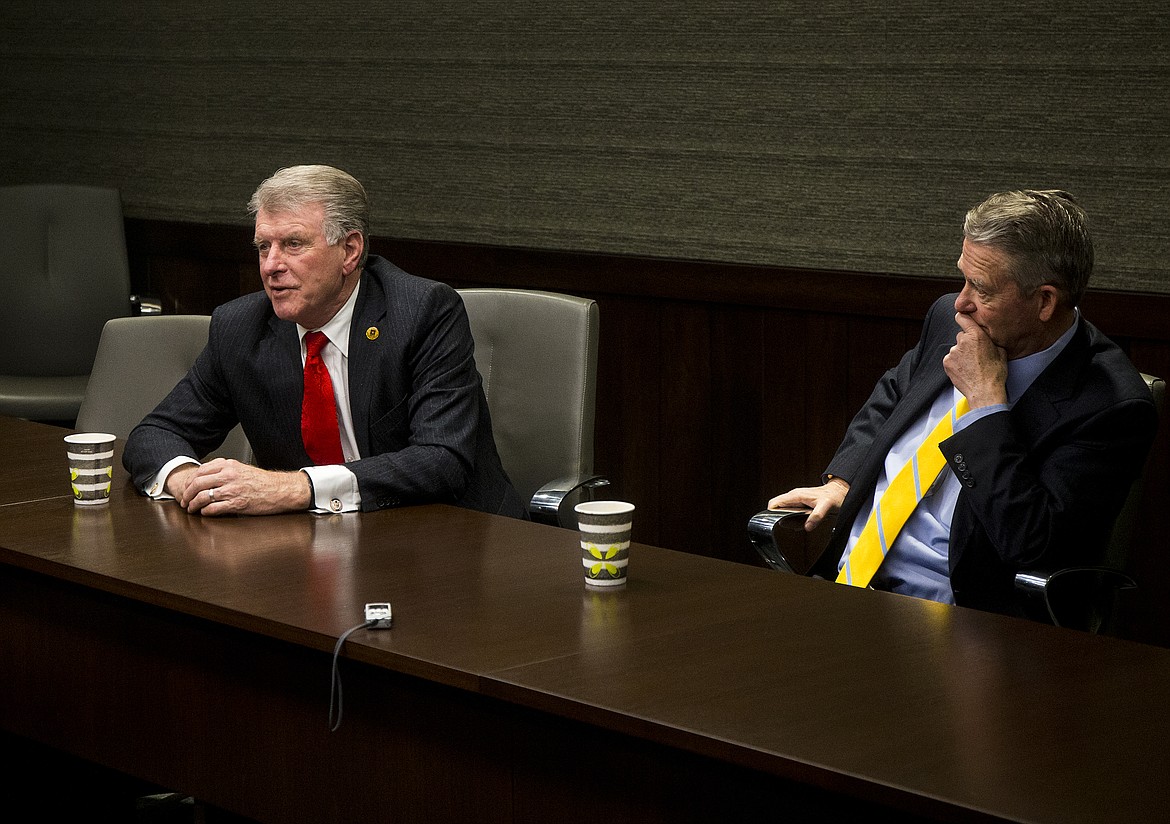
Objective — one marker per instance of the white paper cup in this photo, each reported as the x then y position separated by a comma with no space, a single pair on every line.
605,528
91,466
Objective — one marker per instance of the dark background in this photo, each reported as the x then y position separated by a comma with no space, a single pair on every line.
831,134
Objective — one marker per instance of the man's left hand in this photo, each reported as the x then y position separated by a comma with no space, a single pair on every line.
976,365
227,487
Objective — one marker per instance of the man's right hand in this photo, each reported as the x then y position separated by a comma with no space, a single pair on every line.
228,487
822,500
178,480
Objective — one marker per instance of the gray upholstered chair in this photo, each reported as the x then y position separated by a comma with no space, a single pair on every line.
537,354
139,360
1088,598
64,268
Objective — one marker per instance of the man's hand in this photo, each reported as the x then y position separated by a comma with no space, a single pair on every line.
227,487
976,365
823,500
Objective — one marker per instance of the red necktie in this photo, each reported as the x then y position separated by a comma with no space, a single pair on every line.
318,410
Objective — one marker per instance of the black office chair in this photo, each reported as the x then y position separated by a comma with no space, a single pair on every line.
1089,598
1093,598
65,273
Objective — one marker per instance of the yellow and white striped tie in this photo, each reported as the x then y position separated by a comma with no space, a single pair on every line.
897,502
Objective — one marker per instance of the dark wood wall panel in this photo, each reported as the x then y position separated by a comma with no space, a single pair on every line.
719,385
734,397
686,437
627,448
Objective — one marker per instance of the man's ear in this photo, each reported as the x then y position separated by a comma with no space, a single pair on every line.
354,244
1048,297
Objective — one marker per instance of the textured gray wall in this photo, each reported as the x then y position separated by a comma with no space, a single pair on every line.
838,134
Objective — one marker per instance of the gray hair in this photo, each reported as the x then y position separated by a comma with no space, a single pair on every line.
1045,233
346,206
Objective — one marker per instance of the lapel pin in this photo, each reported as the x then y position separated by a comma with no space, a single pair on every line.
372,333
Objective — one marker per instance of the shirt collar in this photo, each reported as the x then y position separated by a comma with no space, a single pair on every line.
337,329
1022,372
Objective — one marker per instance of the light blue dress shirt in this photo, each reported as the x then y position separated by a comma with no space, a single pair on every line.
918,562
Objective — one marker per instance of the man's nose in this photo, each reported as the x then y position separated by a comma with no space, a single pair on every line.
963,303
270,261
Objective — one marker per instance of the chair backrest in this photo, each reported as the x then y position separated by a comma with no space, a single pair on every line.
537,354
1124,535
1095,598
64,267
139,361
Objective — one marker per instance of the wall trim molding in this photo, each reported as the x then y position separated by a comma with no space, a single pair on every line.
1115,312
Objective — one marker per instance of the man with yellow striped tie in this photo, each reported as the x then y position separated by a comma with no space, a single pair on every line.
1006,439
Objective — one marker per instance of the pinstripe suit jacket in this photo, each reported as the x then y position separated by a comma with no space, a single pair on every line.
1042,483
419,413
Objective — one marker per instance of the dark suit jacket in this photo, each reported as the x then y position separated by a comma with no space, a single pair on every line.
1042,484
419,413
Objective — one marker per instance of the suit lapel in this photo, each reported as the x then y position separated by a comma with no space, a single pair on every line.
1039,409
921,394
924,387
280,352
928,381
367,335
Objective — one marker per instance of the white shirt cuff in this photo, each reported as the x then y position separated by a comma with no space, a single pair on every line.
335,489
157,489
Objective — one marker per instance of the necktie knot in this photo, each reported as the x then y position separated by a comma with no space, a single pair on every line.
314,343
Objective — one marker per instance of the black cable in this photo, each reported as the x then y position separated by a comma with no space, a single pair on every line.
335,685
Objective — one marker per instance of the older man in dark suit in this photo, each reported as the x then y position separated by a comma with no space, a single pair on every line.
407,422
1034,474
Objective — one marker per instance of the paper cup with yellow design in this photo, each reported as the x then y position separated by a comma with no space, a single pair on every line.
91,466
605,541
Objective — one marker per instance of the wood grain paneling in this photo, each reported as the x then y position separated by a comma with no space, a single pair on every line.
835,134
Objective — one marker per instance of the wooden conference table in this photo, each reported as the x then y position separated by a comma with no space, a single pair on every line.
196,653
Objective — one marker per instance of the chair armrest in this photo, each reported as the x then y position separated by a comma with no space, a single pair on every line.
545,506
762,534
1084,598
